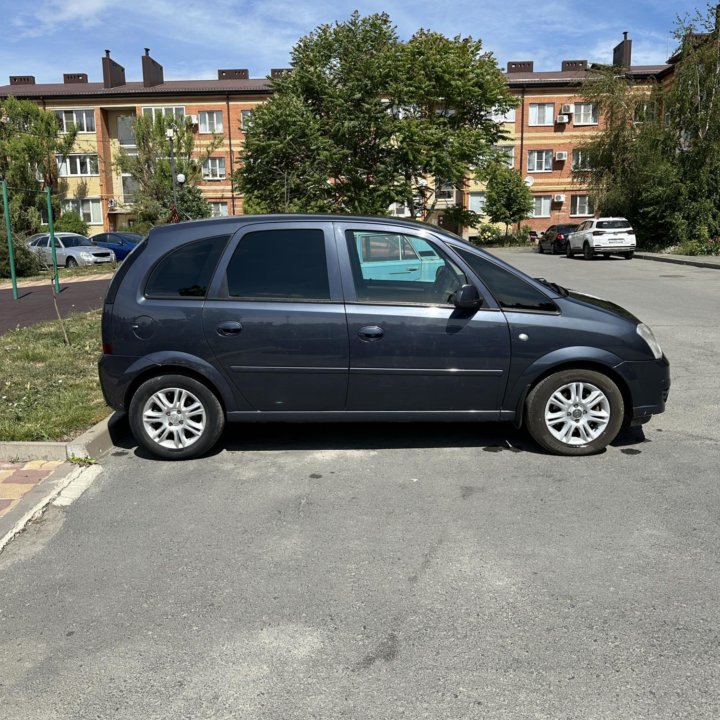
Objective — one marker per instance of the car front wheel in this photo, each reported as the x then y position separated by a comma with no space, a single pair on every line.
175,417
587,251
574,412
569,252
71,262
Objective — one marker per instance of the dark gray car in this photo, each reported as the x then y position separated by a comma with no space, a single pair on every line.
263,318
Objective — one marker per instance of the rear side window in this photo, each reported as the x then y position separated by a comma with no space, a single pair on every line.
510,291
186,272
283,264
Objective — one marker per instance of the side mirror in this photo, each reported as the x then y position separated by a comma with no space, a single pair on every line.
467,298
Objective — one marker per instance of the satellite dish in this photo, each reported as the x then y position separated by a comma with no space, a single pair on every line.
529,180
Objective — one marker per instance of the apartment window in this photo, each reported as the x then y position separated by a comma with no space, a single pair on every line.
129,188
245,119
126,130
90,210
82,120
581,205
509,152
586,114
540,160
219,209
167,111
506,117
214,168
542,113
645,111
78,165
211,122
580,159
477,203
541,206
445,191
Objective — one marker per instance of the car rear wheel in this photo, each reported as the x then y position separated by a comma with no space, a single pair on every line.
175,417
628,255
71,262
587,251
574,412
569,252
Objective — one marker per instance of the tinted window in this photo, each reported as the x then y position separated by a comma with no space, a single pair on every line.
279,265
187,271
613,224
510,291
102,237
75,241
566,228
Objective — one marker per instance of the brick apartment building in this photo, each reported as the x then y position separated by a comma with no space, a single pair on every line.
544,132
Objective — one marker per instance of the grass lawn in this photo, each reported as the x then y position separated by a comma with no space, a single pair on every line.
48,390
89,271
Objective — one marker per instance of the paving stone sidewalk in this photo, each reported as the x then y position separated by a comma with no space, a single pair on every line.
18,479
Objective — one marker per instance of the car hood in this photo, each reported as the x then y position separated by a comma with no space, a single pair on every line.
603,305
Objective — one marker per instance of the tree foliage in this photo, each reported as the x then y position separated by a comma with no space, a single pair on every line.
30,140
507,198
149,166
364,120
657,159
71,222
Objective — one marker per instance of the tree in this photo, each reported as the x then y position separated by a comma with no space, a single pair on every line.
364,120
149,167
30,142
507,198
71,222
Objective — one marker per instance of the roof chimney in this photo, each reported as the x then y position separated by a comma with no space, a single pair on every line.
574,65
22,79
71,78
152,70
518,66
233,74
113,73
622,53
276,73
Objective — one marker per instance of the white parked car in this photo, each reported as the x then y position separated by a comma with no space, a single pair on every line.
602,236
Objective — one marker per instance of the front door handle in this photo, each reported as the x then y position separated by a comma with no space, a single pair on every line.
371,333
230,327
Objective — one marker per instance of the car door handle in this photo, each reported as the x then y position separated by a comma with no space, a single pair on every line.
229,327
370,333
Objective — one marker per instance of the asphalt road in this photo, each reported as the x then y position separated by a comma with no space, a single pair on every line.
394,571
35,305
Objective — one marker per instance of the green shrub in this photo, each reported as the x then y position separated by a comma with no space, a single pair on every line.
487,235
71,222
26,262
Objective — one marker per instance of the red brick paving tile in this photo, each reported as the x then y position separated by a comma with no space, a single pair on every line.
30,477
5,504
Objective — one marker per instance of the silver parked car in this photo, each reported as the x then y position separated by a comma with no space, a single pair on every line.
72,250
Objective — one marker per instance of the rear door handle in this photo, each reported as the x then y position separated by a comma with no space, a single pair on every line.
371,333
230,327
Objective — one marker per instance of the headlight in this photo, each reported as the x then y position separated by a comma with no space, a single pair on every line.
649,337
87,256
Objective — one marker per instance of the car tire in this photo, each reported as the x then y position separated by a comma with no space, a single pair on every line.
557,409
629,254
541,249
71,262
553,249
569,252
176,417
587,252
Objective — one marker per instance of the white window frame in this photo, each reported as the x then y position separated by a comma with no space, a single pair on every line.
445,191
218,207
506,117
509,151
173,111
533,164
543,200
585,113
211,168
575,206
79,118
245,119
548,115
209,123
73,162
577,159
93,205
476,202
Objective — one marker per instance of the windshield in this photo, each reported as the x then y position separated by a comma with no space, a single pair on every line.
76,241
612,224
131,237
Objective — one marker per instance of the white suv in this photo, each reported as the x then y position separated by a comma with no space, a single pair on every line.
602,236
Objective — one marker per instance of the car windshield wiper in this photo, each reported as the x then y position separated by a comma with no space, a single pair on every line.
559,289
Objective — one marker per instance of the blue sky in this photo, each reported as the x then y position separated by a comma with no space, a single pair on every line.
192,40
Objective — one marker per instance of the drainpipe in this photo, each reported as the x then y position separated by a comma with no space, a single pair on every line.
522,136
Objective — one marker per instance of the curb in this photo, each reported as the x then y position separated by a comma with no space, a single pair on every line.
675,260
91,444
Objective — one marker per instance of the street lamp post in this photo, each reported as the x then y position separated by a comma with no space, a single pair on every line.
170,135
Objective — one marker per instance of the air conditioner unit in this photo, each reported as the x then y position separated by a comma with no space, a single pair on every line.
112,202
559,198
567,109
561,155
562,119
193,119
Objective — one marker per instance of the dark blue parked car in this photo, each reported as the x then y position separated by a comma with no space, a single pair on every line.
121,243
279,318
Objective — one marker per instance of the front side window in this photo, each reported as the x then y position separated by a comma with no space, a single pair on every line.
89,209
581,205
185,273
542,114
214,168
211,121
510,291
74,165
82,120
541,205
540,160
586,114
167,111
286,264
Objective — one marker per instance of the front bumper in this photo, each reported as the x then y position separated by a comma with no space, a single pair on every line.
649,384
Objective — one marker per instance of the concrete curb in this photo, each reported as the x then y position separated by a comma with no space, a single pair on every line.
677,260
91,444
